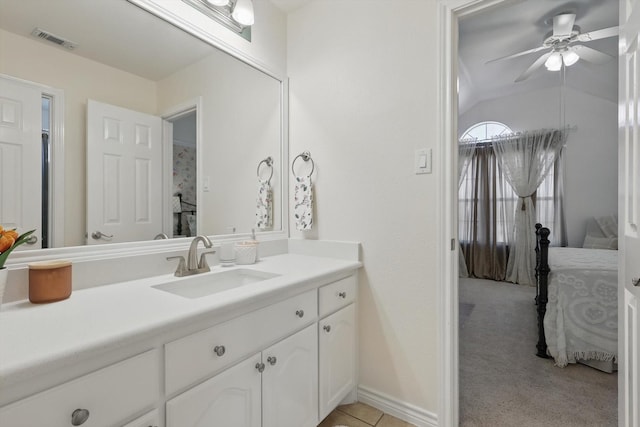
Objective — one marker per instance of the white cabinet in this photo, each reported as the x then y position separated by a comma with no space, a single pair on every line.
230,399
337,348
274,388
151,419
290,381
103,398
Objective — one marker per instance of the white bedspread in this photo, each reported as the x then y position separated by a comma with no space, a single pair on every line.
582,313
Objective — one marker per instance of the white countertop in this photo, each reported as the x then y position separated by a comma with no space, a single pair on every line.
36,339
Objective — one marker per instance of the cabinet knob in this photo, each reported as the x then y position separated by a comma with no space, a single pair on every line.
300,313
260,367
635,281
219,350
327,328
342,294
272,360
79,416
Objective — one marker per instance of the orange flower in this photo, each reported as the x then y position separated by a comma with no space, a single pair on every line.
6,242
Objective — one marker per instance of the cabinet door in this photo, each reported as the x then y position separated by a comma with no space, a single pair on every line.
290,381
230,399
337,341
150,419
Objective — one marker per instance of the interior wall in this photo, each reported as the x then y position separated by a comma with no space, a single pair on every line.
362,100
80,79
591,164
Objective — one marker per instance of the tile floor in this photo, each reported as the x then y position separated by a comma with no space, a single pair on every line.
361,415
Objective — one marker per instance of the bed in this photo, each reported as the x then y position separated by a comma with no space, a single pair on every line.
577,303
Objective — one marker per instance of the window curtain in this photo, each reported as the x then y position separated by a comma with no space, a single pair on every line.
525,159
486,215
465,151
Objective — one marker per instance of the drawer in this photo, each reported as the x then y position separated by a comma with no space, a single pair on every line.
204,353
337,294
151,419
110,395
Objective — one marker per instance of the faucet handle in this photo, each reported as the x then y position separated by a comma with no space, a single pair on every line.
182,267
202,265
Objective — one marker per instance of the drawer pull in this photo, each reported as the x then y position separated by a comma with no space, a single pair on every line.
219,350
260,367
327,328
79,416
342,294
300,313
272,360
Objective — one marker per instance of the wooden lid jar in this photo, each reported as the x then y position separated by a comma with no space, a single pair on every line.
49,281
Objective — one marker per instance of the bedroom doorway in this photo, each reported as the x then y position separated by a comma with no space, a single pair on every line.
451,12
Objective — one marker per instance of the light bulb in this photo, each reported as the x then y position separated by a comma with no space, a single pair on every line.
570,58
220,3
243,12
554,62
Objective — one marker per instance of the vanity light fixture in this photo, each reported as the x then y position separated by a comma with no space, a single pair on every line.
243,12
236,15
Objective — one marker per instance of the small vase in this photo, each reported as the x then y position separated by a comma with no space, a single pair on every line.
4,273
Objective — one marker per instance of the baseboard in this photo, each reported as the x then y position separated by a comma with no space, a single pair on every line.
402,410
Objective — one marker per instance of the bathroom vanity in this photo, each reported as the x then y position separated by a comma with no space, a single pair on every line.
270,344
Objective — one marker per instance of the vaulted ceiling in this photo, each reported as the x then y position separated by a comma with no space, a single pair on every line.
522,25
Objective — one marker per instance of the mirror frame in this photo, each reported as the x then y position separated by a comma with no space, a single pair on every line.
20,259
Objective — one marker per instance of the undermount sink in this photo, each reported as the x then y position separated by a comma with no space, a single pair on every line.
205,284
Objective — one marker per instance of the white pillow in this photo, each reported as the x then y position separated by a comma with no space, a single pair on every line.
591,242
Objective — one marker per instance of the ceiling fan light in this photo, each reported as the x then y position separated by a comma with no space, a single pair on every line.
554,62
220,3
243,12
570,58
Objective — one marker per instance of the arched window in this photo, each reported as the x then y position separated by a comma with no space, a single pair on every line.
506,197
485,130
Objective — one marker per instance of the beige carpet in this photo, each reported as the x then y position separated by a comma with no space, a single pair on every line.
503,383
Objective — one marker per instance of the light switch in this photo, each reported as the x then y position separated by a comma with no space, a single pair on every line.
423,161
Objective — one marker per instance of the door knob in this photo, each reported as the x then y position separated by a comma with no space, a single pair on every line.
32,240
300,313
260,367
327,328
272,360
219,350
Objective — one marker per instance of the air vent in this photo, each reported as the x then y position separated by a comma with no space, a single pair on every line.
45,35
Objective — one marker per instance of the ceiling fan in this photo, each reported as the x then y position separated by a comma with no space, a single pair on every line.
561,46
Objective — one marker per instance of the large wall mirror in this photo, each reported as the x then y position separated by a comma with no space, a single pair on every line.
218,118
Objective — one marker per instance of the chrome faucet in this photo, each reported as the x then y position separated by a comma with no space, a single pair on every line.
192,265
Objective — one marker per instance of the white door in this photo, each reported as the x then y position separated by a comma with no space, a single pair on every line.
230,399
337,342
629,214
124,174
21,158
290,381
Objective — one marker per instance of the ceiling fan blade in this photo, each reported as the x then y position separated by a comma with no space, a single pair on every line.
515,55
539,62
591,55
563,24
598,34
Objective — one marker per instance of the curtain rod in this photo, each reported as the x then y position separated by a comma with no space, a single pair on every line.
488,141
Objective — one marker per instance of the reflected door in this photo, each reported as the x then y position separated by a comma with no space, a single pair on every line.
20,154
124,174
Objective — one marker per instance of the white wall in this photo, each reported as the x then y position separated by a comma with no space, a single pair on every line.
591,178
362,100
80,79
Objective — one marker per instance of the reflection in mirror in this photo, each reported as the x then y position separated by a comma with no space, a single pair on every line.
219,117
